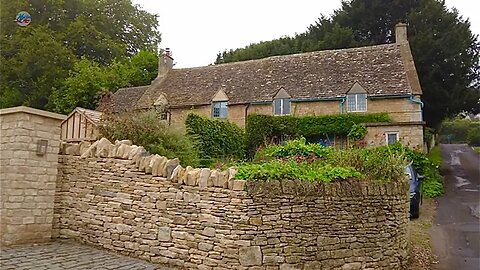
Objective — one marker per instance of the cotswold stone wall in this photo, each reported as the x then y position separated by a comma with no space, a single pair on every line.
120,198
27,174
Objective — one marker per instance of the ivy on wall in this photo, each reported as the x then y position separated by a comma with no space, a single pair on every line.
261,129
216,139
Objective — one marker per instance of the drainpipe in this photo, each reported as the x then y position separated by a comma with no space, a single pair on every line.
246,113
418,101
412,99
341,104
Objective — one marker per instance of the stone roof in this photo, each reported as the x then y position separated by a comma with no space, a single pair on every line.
94,116
381,70
124,99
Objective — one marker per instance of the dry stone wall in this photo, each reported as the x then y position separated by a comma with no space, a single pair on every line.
119,197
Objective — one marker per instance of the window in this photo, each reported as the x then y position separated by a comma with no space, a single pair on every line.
391,137
220,109
357,102
281,106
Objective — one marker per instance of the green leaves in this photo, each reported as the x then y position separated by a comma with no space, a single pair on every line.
89,80
146,129
216,139
261,129
37,59
291,170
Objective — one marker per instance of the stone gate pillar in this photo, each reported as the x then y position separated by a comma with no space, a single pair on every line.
29,146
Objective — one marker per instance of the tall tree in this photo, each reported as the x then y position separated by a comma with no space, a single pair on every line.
37,58
88,80
445,51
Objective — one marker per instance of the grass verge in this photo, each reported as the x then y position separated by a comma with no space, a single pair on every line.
420,249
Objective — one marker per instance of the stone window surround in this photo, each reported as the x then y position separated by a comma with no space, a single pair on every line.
388,133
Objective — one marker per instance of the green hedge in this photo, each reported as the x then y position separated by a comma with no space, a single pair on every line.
460,131
261,129
216,139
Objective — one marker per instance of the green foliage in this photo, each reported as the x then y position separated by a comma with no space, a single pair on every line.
89,80
291,170
445,50
33,62
37,59
460,131
377,164
432,185
278,162
216,139
293,148
298,147
473,136
261,129
357,132
146,129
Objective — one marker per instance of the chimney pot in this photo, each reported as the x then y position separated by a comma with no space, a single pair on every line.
401,33
165,62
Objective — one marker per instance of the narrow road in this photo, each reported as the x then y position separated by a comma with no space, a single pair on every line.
456,229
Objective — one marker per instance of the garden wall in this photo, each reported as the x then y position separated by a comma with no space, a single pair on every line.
29,144
120,198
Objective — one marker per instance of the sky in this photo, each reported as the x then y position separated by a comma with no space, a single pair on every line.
197,30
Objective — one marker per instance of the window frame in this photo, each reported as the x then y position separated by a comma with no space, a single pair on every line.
220,102
356,95
282,106
392,133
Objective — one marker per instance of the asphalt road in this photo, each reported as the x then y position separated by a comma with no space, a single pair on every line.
456,228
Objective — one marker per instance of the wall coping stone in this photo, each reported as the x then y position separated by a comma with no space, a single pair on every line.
24,109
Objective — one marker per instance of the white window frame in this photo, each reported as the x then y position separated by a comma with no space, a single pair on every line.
391,133
282,106
220,108
355,96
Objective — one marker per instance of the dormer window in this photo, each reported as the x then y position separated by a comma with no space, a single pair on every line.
219,104
220,109
357,99
281,106
281,103
357,102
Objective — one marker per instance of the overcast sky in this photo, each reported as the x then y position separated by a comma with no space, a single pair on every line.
196,30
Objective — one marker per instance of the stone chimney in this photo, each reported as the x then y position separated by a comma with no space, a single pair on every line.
401,33
165,62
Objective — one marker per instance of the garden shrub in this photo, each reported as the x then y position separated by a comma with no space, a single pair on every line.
263,129
432,185
292,170
473,136
216,139
278,162
146,129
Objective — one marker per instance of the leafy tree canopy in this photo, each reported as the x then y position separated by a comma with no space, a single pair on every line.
71,40
445,51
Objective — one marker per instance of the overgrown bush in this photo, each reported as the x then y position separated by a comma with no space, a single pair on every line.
277,162
432,185
262,129
473,136
146,129
291,170
216,139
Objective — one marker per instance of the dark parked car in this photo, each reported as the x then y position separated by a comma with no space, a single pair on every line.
415,190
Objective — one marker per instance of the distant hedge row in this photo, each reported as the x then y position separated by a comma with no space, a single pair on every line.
262,128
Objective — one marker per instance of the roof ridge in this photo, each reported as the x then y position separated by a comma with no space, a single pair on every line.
363,48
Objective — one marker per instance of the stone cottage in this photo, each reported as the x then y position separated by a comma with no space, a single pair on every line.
370,79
